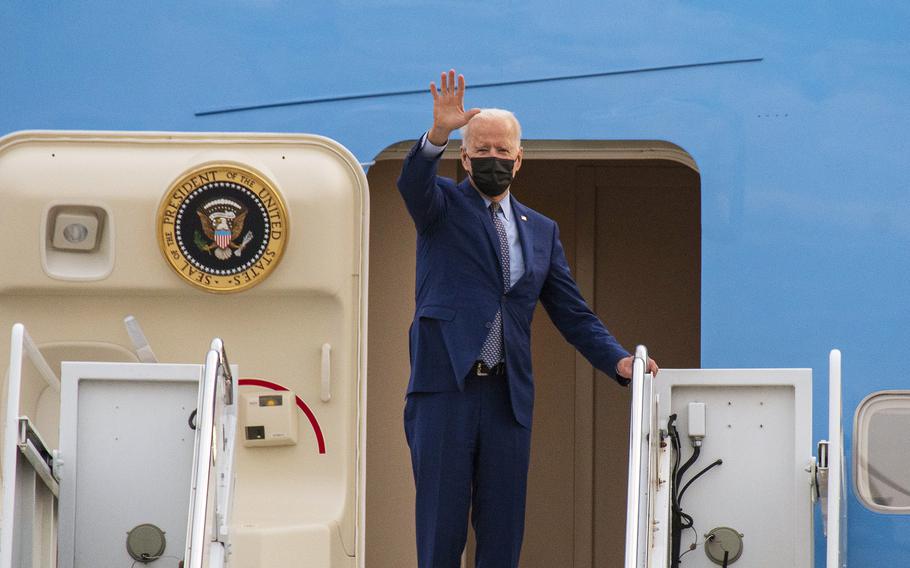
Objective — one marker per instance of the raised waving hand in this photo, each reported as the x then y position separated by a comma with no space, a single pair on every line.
448,107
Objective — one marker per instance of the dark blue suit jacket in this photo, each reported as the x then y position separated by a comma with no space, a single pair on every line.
460,288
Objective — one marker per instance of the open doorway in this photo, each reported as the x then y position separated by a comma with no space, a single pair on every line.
630,221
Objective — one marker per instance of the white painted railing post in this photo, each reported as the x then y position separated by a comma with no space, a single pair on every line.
633,497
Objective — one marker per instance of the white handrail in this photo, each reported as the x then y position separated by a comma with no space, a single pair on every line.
216,425
202,462
10,434
38,360
224,467
835,510
224,369
633,501
21,345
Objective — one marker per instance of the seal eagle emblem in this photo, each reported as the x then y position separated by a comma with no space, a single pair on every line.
222,221
222,227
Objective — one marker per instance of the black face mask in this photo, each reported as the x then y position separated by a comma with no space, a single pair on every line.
492,176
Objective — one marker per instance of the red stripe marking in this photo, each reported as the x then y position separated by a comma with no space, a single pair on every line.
320,439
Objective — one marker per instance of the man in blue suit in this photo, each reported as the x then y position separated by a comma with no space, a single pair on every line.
483,262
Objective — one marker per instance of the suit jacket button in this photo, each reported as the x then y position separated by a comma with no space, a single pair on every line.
489,324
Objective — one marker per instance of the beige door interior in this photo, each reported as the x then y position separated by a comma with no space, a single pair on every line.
630,221
302,327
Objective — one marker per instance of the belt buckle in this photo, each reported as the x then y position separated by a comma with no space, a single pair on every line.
478,370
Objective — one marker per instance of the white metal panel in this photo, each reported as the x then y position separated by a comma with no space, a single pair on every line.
759,422
837,482
125,440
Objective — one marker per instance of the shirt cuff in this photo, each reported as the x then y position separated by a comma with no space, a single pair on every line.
430,150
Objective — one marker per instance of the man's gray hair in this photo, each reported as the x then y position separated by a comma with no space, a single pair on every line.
493,114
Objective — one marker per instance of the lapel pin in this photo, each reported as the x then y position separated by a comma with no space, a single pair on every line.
523,218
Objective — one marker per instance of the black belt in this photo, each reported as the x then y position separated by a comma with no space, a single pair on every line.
481,369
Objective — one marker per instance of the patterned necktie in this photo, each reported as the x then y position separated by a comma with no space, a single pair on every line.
491,352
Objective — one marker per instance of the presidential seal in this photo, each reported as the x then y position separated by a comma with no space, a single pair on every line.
222,227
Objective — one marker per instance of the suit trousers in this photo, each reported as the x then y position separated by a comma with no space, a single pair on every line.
468,453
